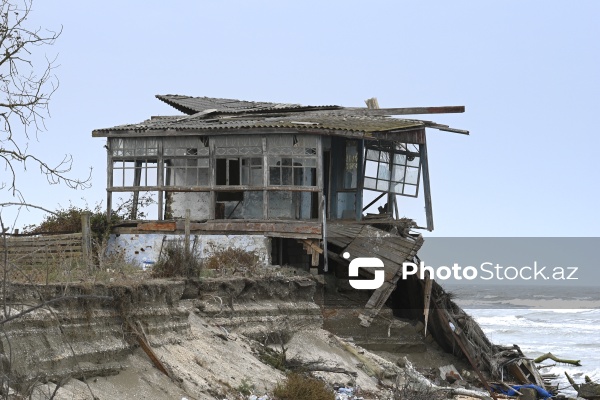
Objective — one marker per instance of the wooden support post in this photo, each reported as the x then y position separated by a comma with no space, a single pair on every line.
426,186
360,177
324,234
187,231
427,300
109,179
86,237
137,177
265,210
160,165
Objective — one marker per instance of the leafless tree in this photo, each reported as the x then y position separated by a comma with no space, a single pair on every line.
27,82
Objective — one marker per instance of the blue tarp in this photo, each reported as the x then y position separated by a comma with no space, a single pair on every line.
541,391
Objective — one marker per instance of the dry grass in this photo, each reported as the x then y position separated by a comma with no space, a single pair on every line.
232,261
61,268
301,387
177,261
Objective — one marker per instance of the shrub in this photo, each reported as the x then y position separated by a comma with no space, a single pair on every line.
300,387
176,261
68,220
232,260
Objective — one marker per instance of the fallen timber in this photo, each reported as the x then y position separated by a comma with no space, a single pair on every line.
588,390
426,301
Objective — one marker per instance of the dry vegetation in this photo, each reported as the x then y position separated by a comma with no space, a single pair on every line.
303,387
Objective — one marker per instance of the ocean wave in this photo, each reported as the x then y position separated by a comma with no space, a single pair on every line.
545,304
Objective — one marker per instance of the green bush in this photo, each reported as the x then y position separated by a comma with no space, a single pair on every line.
300,387
68,220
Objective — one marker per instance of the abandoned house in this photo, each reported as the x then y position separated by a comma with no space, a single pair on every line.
266,176
306,186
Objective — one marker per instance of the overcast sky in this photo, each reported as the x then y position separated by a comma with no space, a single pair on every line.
527,72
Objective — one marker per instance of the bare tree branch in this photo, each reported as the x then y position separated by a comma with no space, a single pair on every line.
27,205
26,87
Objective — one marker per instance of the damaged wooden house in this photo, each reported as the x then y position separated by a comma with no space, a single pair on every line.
277,174
306,186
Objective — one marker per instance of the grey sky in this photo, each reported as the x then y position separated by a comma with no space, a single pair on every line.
527,72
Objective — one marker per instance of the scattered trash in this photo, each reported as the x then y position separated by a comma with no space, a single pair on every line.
344,393
255,397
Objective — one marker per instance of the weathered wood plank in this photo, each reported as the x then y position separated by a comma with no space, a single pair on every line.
262,227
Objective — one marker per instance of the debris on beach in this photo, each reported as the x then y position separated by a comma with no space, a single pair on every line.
589,390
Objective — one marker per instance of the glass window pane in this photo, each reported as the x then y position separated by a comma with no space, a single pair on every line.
274,176
286,175
370,183
384,186
397,187
412,175
399,159
373,155
383,172
410,190
398,173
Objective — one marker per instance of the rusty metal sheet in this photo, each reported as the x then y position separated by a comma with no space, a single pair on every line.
167,226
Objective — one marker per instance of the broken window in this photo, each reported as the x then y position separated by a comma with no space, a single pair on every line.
287,145
394,169
134,162
252,171
186,161
228,173
350,178
292,171
132,147
292,160
135,173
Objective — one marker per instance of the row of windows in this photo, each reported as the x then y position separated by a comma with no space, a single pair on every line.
285,145
229,171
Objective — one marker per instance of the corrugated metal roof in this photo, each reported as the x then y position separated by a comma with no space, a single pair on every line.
212,114
192,105
306,120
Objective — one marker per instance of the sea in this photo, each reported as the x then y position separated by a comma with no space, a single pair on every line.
564,321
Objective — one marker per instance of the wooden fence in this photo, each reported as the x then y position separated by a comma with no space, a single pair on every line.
48,249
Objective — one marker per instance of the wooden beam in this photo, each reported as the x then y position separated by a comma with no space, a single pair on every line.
231,188
265,227
313,245
426,186
406,110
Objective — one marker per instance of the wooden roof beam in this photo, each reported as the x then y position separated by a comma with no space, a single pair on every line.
407,110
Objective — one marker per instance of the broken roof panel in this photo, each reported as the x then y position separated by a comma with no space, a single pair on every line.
192,105
229,115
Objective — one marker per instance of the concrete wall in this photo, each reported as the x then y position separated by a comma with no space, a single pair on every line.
197,202
144,249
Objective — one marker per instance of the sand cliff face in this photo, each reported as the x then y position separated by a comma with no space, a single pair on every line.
209,336
88,337
91,345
